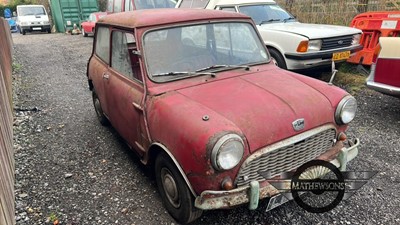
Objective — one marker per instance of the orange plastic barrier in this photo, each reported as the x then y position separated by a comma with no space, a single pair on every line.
374,25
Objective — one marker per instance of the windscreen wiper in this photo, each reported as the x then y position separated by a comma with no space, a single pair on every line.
289,18
183,73
270,20
223,66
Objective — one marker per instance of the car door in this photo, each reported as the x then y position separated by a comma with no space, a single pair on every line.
99,63
124,89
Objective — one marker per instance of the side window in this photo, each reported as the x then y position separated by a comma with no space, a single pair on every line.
230,9
122,58
103,44
117,6
110,4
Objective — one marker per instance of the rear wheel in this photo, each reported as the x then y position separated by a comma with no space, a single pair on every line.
175,194
99,111
277,58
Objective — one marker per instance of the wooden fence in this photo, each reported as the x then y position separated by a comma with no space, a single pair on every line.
339,12
7,209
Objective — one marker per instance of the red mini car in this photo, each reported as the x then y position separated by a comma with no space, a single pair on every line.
194,93
88,26
385,71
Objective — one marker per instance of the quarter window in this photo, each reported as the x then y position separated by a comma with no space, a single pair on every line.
103,43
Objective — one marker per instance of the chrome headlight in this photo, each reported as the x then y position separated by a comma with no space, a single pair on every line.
346,110
227,152
314,45
356,39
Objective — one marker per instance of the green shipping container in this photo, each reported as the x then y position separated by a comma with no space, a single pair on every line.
66,13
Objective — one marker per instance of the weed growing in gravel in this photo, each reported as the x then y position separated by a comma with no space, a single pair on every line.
16,67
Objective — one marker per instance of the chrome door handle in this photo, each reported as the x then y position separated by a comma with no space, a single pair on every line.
106,76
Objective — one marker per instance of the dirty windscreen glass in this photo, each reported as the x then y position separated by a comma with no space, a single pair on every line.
180,52
266,13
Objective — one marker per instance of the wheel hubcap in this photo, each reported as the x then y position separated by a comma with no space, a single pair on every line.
170,188
97,107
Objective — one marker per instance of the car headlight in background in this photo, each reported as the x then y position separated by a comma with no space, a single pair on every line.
356,39
227,152
24,23
314,45
346,110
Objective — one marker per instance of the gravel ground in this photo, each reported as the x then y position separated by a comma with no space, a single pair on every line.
70,168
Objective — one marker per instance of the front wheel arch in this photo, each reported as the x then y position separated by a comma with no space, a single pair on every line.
175,194
277,57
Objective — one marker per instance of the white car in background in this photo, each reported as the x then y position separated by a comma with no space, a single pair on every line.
292,45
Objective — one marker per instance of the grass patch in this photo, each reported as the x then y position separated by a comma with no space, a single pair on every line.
348,78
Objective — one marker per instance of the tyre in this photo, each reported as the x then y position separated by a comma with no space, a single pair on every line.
277,58
49,31
99,111
174,192
84,33
23,31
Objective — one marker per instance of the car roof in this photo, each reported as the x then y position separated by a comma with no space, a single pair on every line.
152,17
239,2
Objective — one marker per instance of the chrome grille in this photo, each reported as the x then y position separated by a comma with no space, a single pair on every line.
286,158
336,42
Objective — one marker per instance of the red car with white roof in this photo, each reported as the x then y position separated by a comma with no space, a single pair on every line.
196,95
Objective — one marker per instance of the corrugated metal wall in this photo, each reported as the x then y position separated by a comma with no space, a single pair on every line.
7,209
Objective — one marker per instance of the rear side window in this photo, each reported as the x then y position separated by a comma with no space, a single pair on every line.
103,44
121,57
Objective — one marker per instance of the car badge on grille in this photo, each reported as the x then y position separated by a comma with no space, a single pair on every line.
298,124
340,42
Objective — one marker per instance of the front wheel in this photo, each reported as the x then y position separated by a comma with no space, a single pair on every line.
277,58
175,194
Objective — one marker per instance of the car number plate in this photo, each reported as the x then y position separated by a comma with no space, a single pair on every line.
36,28
276,201
340,55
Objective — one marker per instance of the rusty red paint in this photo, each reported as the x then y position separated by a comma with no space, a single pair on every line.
187,117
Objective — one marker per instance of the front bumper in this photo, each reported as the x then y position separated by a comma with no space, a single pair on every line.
257,190
299,61
31,28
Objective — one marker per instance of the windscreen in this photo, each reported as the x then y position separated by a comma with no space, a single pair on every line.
31,11
266,13
190,49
